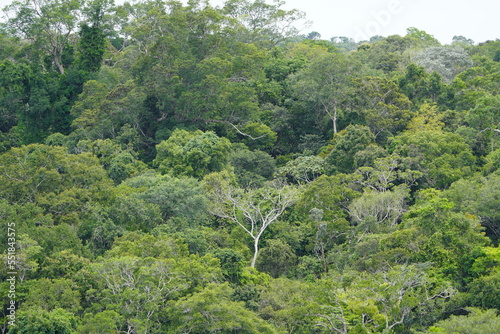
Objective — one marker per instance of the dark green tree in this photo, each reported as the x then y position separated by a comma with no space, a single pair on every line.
345,145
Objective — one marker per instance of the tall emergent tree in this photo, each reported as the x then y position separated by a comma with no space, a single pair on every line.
49,24
327,83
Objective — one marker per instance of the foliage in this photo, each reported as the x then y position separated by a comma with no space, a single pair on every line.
192,153
303,169
59,182
478,196
373,211
328,194
174,197
327,83
442,157
175,167
448,62
253,210
211,310
346,144
37,320
477,321
252,168
47,23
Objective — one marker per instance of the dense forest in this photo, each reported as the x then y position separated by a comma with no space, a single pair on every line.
171,167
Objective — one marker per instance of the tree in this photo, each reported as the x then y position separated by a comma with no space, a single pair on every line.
50,294
37,320
345,43
478,196
211,311
476,322
174,197
387,172
427,118
387,300
101,112
303,169
276,258
14,83
264,22
496,57
102,322
252,168
328,196
28,254
258,136
477,82
119,162
59,182
141,273
254,210
327,84
485,119
442,157
346,144
446,238
459,39
385,108
447,61
386,54
420,38
92,47
232,263
48,23
325,237
288,304
421,86
374,212
193,154
313,35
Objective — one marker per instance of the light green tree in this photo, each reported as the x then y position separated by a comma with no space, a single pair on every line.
476,322
442,157
303,169
192,153
40,321
376,212
212,311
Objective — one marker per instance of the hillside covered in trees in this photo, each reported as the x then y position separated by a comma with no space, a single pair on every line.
183,168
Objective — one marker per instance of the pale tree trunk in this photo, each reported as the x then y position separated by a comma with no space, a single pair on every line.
59,65
253,210
255,251
334,119
57,54
333,116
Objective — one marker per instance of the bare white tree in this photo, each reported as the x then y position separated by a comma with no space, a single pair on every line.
254,210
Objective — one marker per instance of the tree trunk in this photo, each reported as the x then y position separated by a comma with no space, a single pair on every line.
256,251
57,54
58,64
334,119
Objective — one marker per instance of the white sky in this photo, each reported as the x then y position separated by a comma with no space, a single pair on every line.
361,19
477,20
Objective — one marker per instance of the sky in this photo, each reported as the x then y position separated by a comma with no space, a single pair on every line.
361,19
